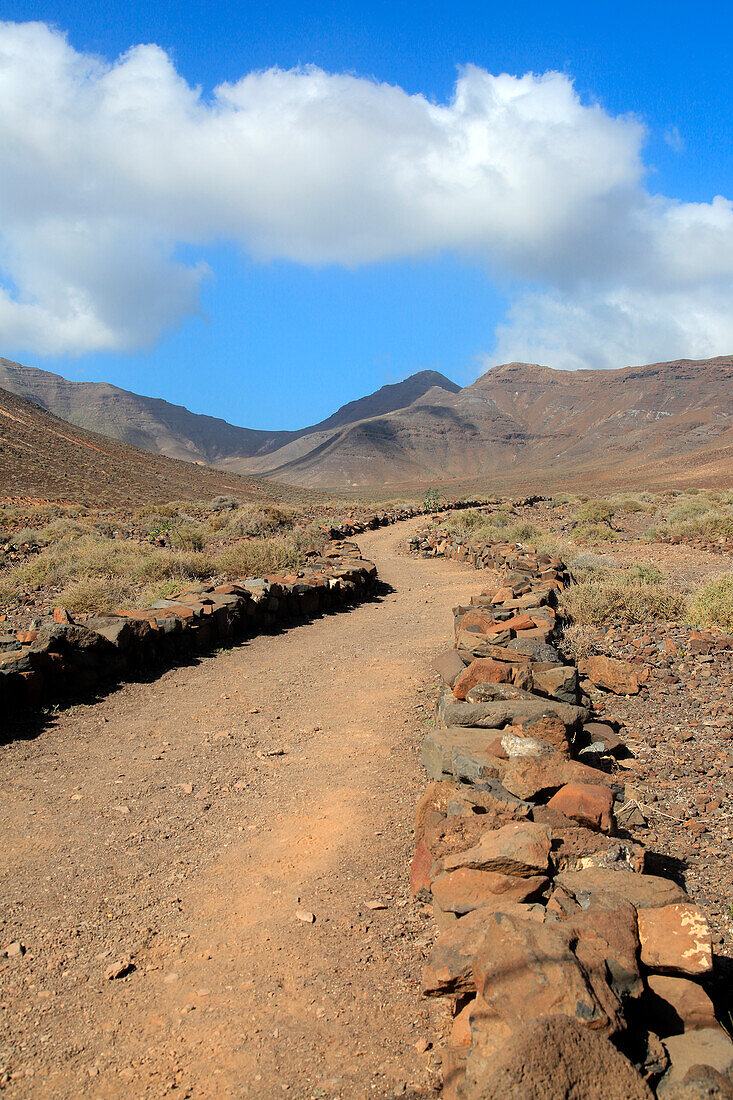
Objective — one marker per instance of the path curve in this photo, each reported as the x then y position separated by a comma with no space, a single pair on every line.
184,823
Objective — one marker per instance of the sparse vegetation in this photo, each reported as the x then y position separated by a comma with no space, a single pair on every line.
712,605
622,596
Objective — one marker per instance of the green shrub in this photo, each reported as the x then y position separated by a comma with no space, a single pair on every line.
595,511
712,605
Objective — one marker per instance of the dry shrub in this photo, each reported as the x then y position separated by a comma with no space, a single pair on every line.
257,521
621,597
256,557
711,605
95,595
592,533
580,641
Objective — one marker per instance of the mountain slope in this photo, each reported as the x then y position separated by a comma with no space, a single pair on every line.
158,426
522,422
47,459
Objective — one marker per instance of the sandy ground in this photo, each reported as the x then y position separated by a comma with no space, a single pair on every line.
181,825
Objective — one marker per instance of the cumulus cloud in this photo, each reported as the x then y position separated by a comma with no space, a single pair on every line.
108,168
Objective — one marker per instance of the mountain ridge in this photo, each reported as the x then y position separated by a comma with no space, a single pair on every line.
516,421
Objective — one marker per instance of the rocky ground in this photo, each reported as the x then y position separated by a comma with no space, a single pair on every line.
205,876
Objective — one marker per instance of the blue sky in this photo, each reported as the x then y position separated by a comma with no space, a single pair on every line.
277,332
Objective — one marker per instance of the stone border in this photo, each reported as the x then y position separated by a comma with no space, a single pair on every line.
64,659
569,969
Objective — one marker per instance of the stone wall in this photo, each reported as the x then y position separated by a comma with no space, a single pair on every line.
570,970
64,660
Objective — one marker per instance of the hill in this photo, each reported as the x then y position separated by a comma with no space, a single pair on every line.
43,458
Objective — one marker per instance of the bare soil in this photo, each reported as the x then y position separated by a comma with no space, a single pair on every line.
181,825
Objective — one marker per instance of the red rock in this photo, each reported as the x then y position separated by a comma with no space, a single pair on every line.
678,1005
676,938
616,676
548,728
475,622
552,1058
521,848
484,670
590,804
524,969
420,871
61,615
465,889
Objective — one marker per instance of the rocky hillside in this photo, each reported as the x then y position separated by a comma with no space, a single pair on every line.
44,458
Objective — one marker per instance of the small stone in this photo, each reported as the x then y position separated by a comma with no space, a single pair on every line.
422,1045
304,916
14,950
119,969
376,905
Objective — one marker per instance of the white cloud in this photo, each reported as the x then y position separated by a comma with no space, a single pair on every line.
108,168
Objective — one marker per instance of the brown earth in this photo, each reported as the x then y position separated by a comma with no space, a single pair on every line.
155,825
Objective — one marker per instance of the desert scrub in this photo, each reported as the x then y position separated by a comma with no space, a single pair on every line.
255,521
595,512
93,595
621,597
712,605
189,536
591,533
256,557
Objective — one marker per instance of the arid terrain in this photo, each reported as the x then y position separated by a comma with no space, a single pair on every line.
207,870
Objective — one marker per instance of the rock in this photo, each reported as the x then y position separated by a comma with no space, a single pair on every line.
517,849
14,950
600,733
304,916
700,1083
449,969
616,676
554,1058
465,889
524,969
532,647
449,665
515,744
590,804
433,805
119,969
439,746
705,1047
558,683
421,871
643,891
676,938
480,671
608,943
677,1004
547,728
575,848
503,710
528,778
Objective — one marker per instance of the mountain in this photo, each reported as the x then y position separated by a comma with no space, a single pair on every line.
158,426
518,425
524,424
43,458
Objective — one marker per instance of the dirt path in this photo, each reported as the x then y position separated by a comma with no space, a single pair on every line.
184,823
